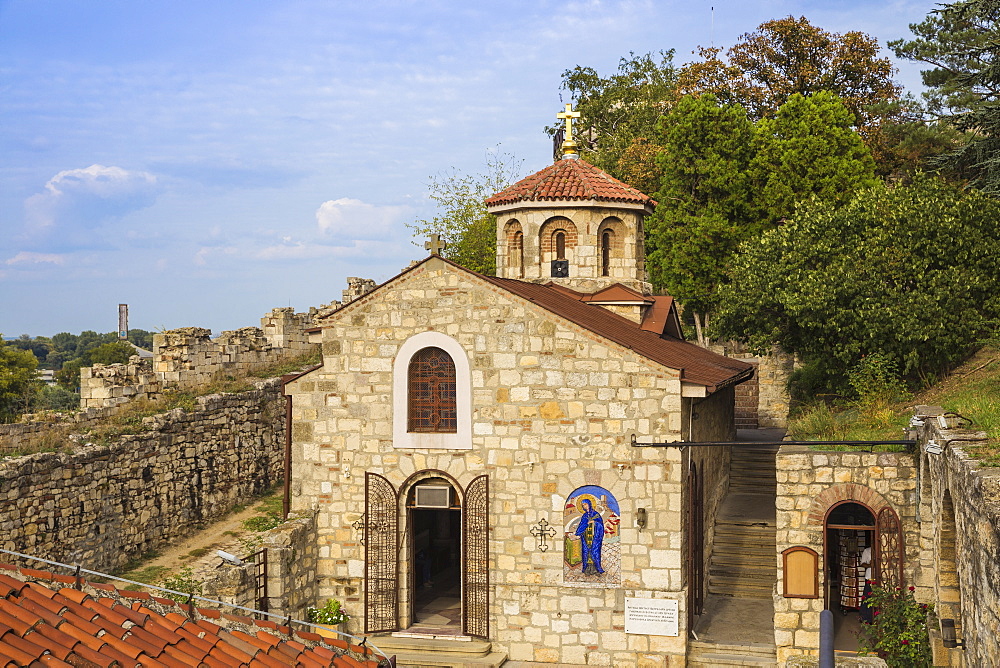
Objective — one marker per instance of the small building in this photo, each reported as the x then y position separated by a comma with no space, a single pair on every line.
467,442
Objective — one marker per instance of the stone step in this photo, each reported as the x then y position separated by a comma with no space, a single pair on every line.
704,654
740,587
491,660
760,559
403,644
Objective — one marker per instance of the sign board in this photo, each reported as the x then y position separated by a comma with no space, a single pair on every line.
651,616
123,321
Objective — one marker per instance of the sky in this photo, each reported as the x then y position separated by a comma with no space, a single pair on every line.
205,162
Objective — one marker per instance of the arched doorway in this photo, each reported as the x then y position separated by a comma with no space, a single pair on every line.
427,555
850,536
434,518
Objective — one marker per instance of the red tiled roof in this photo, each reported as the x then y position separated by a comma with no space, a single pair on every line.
47,623
697,365
570,179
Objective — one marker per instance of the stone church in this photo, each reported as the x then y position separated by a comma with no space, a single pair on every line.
471,442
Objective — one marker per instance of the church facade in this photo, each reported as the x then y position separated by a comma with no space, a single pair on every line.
470,442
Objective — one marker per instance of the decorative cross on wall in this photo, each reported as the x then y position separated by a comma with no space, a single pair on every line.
435,245
543,531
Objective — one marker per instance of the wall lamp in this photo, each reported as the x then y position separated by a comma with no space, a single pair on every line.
948,636
640,518
933,447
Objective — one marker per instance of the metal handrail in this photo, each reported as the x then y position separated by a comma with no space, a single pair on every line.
287,620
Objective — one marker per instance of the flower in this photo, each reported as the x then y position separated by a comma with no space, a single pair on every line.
912,588
906,642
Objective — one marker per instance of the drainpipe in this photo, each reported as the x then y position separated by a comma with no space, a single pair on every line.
286,499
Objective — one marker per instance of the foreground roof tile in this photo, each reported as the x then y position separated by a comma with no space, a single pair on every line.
45,624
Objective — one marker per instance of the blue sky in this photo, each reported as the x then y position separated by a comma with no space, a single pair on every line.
205,162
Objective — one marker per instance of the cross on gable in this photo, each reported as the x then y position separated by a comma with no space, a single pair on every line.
435,245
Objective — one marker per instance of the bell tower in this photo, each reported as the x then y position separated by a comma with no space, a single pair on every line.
572,224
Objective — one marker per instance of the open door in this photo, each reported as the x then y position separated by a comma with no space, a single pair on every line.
381,555
476,559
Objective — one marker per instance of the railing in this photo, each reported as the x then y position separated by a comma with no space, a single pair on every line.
720,444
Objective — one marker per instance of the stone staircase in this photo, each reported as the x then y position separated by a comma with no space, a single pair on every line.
709,655
743,562
433,652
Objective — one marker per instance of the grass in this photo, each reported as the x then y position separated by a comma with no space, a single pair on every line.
972,391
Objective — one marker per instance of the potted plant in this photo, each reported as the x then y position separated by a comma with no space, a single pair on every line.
330,615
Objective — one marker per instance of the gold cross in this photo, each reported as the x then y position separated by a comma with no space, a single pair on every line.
569,146
435,245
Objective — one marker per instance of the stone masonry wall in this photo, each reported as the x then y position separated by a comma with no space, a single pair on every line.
809,484
291,571
553,409
113,384
959,559
773,372
103,505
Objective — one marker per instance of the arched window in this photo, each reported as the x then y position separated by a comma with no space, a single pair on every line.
517,254
560,245
432,399
606,253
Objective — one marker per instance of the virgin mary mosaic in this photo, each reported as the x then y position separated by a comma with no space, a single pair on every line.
591,543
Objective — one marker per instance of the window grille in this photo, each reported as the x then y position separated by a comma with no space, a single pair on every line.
432,393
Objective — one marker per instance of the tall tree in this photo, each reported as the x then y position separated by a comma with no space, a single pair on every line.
619,114
703,209
18,381
912,271
463,221
959,42
786,56
808,149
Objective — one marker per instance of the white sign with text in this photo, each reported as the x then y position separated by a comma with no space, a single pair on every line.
651,616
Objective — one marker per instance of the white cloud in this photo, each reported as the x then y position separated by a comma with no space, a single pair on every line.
90,195
351,219
27,257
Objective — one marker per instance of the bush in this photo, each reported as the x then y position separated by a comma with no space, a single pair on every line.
330,614
185,581
898,632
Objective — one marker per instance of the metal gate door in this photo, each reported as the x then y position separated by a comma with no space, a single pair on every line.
889,538
381,555
476,559
696,546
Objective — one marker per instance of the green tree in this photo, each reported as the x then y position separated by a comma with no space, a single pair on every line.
619,114
69,375
911,271
959,42
809,148
116,352
782,57
18,380
705,197
463,221
786,56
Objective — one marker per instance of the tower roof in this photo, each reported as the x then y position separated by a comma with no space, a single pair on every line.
570,180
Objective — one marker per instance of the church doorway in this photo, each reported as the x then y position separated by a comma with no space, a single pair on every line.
435,522
426,550
850,558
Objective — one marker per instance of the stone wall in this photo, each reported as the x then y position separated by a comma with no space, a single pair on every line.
959,559
291,571
810,483
104,505
113,384
552,408
773,373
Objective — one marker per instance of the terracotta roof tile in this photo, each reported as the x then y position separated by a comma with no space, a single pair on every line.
697,365
569,180
42,625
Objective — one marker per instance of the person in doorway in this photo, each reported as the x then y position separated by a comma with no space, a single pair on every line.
867,615
591,533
